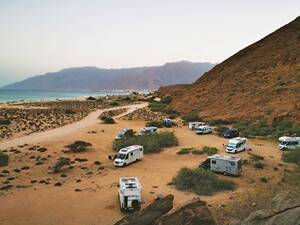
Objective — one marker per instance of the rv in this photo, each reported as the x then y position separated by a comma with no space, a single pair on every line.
130,193
223,164
148,130
203,130
126,132
168,122
289,143
236,145
129,155
194,125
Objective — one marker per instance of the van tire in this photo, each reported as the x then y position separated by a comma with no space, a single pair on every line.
225,173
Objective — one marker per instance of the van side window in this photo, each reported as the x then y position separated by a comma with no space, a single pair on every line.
232,163
213,161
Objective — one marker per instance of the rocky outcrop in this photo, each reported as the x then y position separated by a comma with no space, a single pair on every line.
285,210
194,213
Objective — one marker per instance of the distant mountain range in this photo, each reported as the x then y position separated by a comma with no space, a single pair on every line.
93,78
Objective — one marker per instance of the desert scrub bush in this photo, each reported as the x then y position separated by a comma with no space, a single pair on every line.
4,122
200,181
78,146
190,117
4,159
255,157
166,100
184,151
259,165
90,98
157,106
155,123
151,142
221,129
209,150
114,103
61,162
292,156
107,119
69,111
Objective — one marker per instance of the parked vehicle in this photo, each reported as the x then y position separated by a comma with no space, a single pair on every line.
203,130
126,132
194,125
231,133
130,193
289,143
129,155
148,130
236,145
223,164
168,122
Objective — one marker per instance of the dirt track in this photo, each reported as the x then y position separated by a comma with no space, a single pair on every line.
97,202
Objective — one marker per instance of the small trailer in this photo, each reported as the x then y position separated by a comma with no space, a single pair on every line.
195,124
236,145
148,130
126,132
130,193
223,164
203,130
129,155
289,143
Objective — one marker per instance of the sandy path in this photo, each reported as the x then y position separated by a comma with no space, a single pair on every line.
88,121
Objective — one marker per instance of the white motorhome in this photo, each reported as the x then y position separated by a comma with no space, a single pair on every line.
126,132
195,124
223,164
289,143
148,130
129,155
236,145
130,193
203,130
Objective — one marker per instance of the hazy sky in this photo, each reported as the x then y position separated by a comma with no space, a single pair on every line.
39,36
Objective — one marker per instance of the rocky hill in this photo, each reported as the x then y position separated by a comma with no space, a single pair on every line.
93,78
263,77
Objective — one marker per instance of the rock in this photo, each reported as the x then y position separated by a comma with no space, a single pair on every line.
193,213
151,213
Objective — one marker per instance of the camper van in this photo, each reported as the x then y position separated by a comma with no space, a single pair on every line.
223,164
129,155
126,132
203,130
148,130
130,193
194,125
289,143
236,145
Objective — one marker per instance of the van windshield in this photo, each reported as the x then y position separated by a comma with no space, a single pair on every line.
231,145
121,156
283,142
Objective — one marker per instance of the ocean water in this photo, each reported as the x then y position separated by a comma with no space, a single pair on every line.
12,96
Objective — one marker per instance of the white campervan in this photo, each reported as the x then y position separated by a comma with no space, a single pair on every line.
129,155
148,130
223,164
203,130
130,193
195,124
289,143
236,145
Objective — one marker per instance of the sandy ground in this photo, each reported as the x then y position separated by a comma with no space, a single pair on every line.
97,203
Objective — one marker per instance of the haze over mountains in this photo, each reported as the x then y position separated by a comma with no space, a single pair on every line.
263,77
93,78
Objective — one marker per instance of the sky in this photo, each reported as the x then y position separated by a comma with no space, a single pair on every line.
40,36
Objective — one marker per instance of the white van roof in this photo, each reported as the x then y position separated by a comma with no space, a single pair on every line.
149,128
129,183
287,139
227,158
130,149
237,140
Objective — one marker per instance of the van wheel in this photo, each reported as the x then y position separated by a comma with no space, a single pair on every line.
235,151
225,173
124,164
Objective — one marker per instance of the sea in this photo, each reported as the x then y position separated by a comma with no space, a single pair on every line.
16,96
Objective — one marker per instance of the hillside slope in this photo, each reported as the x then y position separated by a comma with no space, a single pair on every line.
263,77
93,78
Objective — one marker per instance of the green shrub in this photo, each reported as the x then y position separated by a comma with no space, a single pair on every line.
157,106
114,103
255,158
197,152
90,98
151,142
184,151
78,146
292,156
69,111
166,100
3,159
190,117
155,123
259,165
200,181
107,119
4,122
60,164
221,129
209,150
263,180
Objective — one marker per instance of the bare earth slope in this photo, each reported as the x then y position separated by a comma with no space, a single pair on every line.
264,76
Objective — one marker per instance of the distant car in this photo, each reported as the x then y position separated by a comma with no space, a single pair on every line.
231,133
203,130
168,122
126,132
